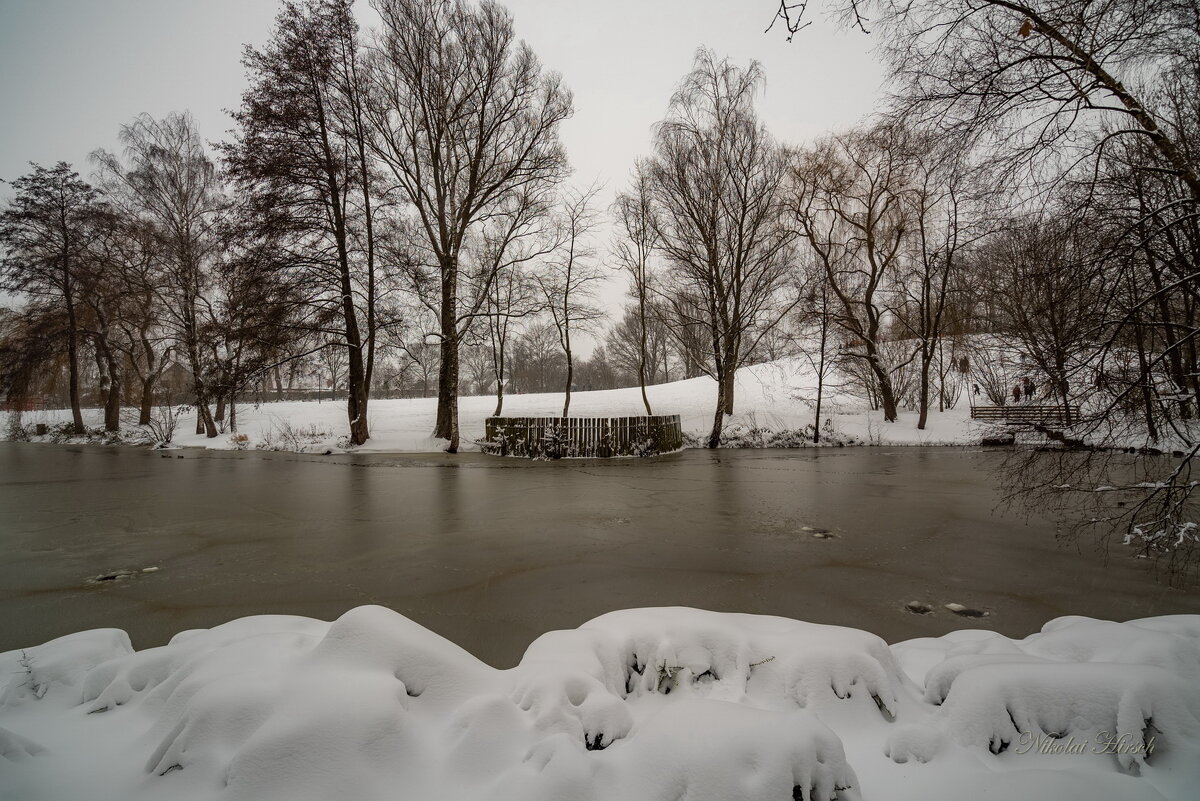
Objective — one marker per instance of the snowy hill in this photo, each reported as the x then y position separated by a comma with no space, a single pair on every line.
775,398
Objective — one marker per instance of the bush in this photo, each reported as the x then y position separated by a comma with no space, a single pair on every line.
14,430
283,436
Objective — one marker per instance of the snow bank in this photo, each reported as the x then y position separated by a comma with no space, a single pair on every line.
775,405
641,704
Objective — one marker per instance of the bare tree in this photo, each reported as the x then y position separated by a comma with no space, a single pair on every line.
636,242
567,280
716,179
937,206
640,346
465,120
817,313
135,262
259,307
1029,75
848,203
537,363
1050,289
168,181
513,296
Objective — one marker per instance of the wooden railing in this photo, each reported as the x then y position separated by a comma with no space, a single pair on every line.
1063,415
556,437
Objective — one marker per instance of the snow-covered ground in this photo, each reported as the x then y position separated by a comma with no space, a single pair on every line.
772,398
640,705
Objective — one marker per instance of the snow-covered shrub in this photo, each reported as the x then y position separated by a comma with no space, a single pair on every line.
14,431
375,706
1097,689
647,705
65,432
164,419
283,436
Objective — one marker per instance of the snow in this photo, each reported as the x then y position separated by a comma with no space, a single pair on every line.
775,397
650,704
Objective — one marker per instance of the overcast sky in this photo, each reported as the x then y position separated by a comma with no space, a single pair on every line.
73,71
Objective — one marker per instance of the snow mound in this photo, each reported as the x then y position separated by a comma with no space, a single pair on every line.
1129,692
60,663
753,659
648,704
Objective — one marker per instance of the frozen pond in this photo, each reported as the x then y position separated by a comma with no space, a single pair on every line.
491,553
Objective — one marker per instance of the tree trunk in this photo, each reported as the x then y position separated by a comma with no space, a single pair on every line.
943,397
204,418
357,389
147,406
447,411
570,376
359,431
220,415
1064,392
887,395
714,436
499,360
817,417
727,389
926,360
207,425
883,382
112,400
820,383
73,369
642,351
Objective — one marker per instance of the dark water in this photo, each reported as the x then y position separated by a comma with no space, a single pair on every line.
492,552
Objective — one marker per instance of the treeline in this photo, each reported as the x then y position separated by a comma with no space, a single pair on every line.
392,214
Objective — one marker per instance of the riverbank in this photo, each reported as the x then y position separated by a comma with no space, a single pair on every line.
775,402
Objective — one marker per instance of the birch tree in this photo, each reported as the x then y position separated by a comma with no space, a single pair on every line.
168,181
716,178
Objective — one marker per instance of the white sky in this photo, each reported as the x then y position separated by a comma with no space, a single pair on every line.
73,71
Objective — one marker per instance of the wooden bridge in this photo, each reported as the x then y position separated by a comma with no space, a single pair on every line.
556,437
1029,415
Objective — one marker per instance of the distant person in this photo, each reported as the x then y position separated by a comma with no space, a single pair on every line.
1016,393
975,389
1030,389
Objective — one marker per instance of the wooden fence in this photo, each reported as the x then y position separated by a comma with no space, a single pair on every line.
556,437
23,403
1063,415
